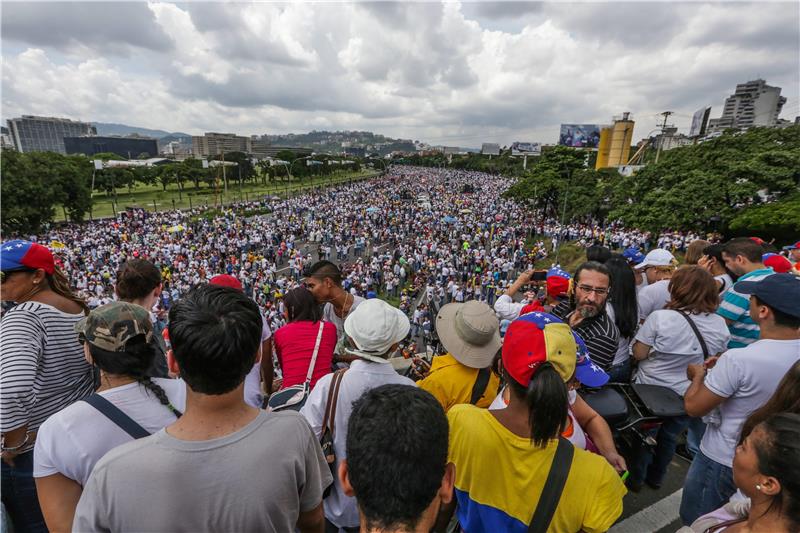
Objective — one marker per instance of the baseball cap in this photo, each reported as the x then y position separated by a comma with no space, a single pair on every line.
795,246
657,257
777,262
470,332
374,326
780,291
21,255
758,240
633,255
537,338
226,280
557,282
586,371
111,326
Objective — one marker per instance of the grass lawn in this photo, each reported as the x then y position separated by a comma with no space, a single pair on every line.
153,197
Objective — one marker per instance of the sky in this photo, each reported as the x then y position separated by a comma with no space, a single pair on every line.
452,73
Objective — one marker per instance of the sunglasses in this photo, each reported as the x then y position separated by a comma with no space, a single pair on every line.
5,274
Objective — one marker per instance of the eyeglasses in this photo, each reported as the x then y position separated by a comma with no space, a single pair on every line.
600,291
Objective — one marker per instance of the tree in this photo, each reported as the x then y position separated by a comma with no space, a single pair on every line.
717,178
779,220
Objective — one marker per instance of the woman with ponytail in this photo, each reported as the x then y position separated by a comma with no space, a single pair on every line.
42,369
118,340
502,457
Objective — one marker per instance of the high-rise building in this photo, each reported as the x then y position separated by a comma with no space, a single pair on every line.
45,134
213,144
753,104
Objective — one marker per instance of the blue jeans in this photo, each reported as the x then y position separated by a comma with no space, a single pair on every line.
19,495
620,373
708,486
651,465
697,428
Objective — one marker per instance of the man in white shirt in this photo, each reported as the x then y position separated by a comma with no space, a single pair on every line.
657,267
730,388
374,331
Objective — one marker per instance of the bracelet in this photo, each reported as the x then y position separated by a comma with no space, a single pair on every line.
17,447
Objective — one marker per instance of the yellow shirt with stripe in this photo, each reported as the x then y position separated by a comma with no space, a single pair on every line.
451,383
500,476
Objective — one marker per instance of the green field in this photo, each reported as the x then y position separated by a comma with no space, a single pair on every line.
154,198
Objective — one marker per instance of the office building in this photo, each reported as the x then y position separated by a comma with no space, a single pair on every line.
128,147
45,134
752,104
214,144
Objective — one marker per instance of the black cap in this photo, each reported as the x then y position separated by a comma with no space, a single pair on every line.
779,291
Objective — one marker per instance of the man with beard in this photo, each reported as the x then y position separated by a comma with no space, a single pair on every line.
585,312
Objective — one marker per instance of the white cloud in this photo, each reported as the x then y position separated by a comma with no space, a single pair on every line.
447,73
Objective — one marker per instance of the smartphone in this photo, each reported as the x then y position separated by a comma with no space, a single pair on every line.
539,275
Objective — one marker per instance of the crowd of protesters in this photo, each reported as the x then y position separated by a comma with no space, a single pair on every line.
225,378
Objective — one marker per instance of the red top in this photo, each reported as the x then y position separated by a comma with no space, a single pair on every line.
294,346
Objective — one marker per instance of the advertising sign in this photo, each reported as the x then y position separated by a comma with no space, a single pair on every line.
579,135
522,148
699,122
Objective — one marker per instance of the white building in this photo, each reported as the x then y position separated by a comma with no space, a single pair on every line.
753,104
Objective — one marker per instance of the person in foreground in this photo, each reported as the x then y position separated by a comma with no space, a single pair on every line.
766,468
224,465
502,458
397,493
739,382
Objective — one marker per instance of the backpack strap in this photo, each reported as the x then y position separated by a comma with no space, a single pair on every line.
703,344
113,413
481,382
316,351
553,487
333,397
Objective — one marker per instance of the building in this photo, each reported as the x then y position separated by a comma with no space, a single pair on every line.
671,139
5,138
213,144
130,147
614,147
752,104
45,134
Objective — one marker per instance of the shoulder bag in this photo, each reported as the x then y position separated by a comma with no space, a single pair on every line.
703,345
328,425
295,397
553,487
481,382
115,414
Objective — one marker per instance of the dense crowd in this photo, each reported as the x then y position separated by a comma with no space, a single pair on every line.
211,371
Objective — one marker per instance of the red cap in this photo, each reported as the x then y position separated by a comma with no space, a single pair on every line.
557,286
757,240
226,280
778,263
531,307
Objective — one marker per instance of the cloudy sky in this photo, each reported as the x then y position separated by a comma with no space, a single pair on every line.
452,73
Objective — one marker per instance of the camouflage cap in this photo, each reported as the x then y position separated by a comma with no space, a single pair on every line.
111,326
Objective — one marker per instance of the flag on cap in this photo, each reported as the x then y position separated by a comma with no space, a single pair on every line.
19,255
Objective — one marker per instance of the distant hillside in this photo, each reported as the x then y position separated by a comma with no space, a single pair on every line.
104,128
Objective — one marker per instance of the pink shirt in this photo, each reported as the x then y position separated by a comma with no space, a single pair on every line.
294,346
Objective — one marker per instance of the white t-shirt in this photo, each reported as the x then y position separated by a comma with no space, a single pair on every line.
727,282
747,377
652,298
72,441
675,346
252,381
623,343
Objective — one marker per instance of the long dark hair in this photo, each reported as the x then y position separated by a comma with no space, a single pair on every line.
59,284
546,398
133,362
622,295
779,457
301,305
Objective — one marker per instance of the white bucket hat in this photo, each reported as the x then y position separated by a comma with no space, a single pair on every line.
374,326
470,332
657,257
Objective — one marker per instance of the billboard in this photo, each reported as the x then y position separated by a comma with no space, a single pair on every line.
699,122
490,149
579,135
520,148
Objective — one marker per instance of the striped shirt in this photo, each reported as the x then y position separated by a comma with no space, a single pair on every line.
599,333
735,306
42,367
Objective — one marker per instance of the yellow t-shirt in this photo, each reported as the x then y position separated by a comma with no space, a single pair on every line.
451,383
500,476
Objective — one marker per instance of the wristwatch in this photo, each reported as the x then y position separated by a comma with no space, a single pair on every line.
17,447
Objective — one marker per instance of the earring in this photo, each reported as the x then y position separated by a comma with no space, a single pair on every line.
758,487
